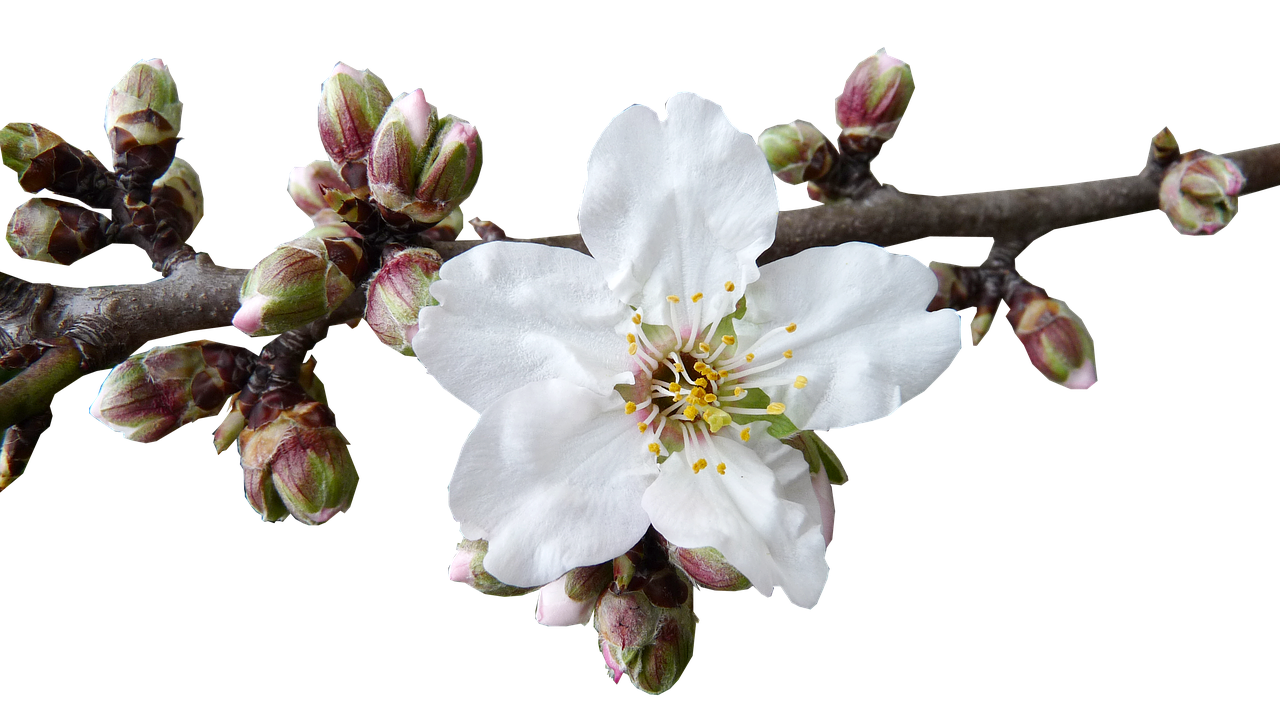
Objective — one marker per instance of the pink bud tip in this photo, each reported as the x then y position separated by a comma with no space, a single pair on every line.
156,63
249,318
344,69
460,567
417,115
615,668
1082,377
555,608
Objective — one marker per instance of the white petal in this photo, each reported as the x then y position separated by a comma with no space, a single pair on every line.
863,338
762,514
555,608
678,207
516,313
552,477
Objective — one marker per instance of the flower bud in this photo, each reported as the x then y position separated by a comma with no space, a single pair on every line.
352,103
151,394
570,599
709,569
1164,148
17,443
875,98
1199,193
468,567
55,231
301,281
398,293
797,152
1055,338
651,645
43,161
308,185
22,144
176,196
447,229
298,464
143,108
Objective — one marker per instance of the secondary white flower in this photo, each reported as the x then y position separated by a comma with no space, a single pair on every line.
618,391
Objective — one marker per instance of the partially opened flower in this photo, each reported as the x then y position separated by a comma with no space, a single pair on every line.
649,384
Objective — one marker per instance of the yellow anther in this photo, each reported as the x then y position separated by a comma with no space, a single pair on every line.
751,357
631,348
697,393
679,368
642,426
699,464
801,382
631,407
720,468
739,392
676,397
636,319
728,339
745,435
631,337
674,387
728,286
786,353
701,383
775,409
700,367
654,448
704,347
716,419
673,298
713,375
710,398
696,297
791,328
690,412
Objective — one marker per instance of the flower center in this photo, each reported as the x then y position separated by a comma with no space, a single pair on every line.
693,381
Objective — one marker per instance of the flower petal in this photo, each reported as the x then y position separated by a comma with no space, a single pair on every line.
552,477
515,313
762,514
678,207
863,339
555,608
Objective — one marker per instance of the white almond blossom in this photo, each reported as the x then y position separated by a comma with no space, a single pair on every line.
630,388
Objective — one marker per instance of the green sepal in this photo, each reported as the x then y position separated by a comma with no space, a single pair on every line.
780,426
819,455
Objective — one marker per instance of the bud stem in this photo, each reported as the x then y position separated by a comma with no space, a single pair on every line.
32,390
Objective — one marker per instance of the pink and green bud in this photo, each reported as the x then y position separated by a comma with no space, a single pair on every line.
43,161
875,98
422,167
55,231
301,281
468,567
143,108
1056,340
650,645
1164,147
154,393
399,291
352,103
797,152
571,599
1199,193
177,197
17,442
709,569
308,185
22,145
298,464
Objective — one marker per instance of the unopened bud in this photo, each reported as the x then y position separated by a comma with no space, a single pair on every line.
352,103
152,394
875,98
298,464
797,152
229,429
651,645
301,281
447,229
570,599
177,197
709,569
1056,340
468,567
22,144
55,231
17,443
1199,193
308,185
143,108
396,295
1164,147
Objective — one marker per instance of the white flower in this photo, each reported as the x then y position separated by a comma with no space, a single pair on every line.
615,392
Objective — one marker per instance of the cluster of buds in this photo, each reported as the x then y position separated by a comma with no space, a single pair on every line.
56,231
397,294
154,393
874,100
797,152
143,119
295,460
1056,340
301,281
1199,192
421,167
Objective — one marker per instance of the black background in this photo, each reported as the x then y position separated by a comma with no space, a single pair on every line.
995,529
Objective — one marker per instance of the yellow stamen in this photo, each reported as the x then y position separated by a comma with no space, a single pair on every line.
631,348
679,368
630,407
716,419
642,426
739,392
786,353
696,297
700,367
713,375
776,409
701,383
636,319
728,286
710,398
704,347
791,328
631,337
673,298
751,357
674,387
699,464
720,469
697,393
728,339
690,412
801,382
745,435
654,448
